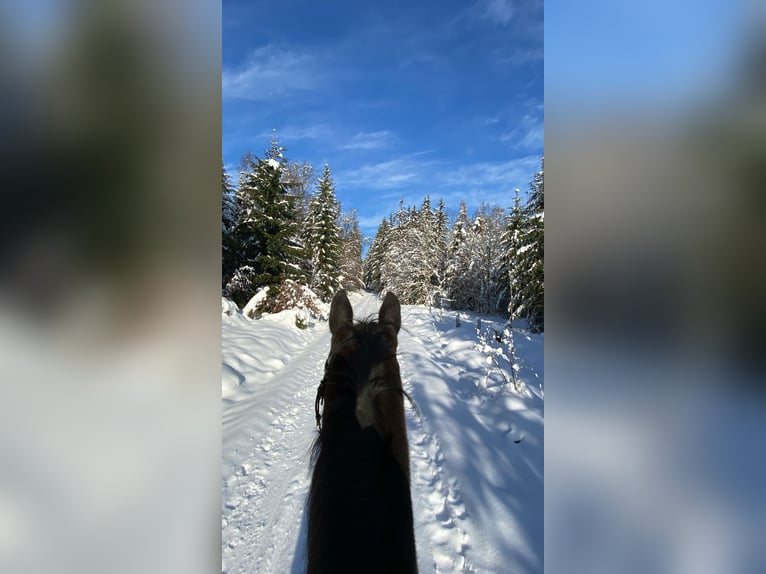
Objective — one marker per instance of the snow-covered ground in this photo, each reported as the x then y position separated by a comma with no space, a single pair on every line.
476,445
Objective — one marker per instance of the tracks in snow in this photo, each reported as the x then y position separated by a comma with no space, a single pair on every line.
437,500
267,477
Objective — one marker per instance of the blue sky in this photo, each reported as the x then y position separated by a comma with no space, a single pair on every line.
401,98
633,56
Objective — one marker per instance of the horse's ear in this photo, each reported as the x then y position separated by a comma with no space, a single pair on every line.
341,313
390,312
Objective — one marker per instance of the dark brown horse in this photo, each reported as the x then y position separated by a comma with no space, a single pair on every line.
360,509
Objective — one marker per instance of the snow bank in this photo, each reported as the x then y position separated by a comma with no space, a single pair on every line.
249,310
229,307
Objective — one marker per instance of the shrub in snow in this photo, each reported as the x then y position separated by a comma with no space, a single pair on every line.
293,295
289,295
241,285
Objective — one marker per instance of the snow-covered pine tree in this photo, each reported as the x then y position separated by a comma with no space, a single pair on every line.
476,279
241,285
298,178
411,264
351,252
323,241
266,228
374,261
390,268
392,275
402,266
489,264
458,261
528,261
427,229
511,241
440,245
229,251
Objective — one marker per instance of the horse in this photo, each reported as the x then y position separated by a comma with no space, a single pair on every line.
360,506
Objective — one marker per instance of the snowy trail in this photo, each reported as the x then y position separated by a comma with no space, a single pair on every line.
477,492
437,501
267,438
266,446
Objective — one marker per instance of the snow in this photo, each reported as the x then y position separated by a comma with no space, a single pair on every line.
249,309
273,163
228,307
476,445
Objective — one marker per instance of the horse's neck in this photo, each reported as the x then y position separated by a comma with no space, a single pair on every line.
361,510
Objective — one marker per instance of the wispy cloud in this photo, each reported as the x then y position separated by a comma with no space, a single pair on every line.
528,136
493,176
499,11
271,71
487,120
519,56
370,140
396,173
411,178
309,132
534,138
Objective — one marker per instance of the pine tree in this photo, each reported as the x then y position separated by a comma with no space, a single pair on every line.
298,178
411,264
324,242
489,258
475,276
458,261
527,268
266,228
401,268
511,242
351,252
430,229
373,263
441,243
229,251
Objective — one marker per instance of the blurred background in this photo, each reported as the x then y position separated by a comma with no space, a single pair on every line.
655,144
110,162
110,126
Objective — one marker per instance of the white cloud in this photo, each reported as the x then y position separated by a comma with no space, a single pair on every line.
393,174
414,176
534,138
370,140
528,136
499,11
270,72
488,120
494,177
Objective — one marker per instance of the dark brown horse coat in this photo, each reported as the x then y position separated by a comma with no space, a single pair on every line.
360,508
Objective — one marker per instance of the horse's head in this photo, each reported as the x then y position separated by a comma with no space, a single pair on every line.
368,336
363,359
